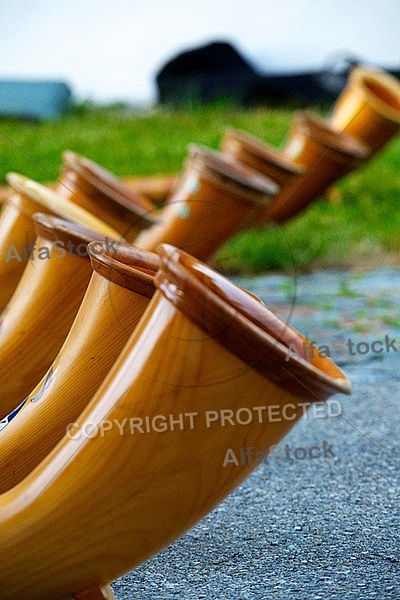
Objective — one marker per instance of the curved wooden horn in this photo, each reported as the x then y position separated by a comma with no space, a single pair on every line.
369,107
118,293
43,306
102,502
17,230
325,156
215,197
258,155
97,190
58,205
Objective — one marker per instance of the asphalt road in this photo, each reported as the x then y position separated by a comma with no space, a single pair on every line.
310,528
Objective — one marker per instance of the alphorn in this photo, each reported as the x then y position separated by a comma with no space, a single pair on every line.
155,187
42,309
101,503
325,155
17,229
315,156
256,154
215,197
97,190
369,107
119,291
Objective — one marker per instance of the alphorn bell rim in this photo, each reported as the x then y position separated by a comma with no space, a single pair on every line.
345,145
250,186
245,326
55,203
56,229
262,151
370,81
125,265
109,185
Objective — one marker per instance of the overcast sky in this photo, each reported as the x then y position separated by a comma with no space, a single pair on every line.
111,50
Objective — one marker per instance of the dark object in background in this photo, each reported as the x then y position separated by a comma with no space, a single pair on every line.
204,74
218,71
37,100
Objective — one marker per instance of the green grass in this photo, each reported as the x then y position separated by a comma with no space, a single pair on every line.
345,290
391,321
360,227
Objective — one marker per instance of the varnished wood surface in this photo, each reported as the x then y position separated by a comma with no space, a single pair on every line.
50,201
99,505
97,190
259,156
37,320
106,318
41,311
103,592
325,156
213,200
156,187
369,107
17,230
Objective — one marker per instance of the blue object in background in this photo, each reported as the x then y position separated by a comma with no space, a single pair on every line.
39,100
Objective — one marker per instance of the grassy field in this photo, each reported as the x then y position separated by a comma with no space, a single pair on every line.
358,225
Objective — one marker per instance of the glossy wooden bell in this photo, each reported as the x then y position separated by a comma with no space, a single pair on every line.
118,293
105,501
325,155
369,107
215,197
41,311
264,159
259,156
17,230
100,192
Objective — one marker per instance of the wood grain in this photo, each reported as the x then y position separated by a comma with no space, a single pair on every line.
17,230
102,503
106,318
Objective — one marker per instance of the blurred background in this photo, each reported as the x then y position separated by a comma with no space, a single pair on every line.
111,51
117,61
